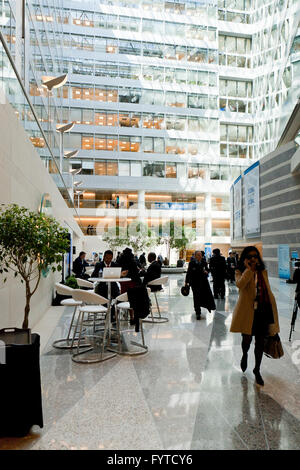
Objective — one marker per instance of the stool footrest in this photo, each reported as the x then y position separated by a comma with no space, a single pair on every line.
156,320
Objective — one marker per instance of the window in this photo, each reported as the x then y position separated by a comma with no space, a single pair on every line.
87,142
87,116
124,168
152,49
171,170
87,168
193,171
154,169
135,168
130,47
214,172
100,143
100,168
197,171
112,168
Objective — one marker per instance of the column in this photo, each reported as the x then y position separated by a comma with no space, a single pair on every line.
207,219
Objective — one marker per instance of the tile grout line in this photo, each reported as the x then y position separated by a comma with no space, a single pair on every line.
262,419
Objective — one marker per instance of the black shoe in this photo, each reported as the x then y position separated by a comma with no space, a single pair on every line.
222,298
258,378
216,296
244,362
198,316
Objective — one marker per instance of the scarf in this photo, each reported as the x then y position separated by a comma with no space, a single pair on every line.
262,296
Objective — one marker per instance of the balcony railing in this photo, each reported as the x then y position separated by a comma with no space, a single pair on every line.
154,205
221,232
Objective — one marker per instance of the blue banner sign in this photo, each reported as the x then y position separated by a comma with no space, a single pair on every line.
191,206
284,261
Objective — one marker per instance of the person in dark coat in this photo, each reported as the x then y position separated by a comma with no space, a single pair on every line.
142,260
160,259
153,272
127,263
196,277
79,266
231,267
217,266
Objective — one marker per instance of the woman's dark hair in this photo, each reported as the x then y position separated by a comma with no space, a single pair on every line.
241,266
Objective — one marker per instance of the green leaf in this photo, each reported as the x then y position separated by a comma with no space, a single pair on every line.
29,237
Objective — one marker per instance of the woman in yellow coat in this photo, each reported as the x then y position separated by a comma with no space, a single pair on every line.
255,313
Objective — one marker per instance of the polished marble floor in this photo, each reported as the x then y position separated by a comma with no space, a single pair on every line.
187,392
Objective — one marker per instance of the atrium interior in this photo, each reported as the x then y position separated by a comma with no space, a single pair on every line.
155,115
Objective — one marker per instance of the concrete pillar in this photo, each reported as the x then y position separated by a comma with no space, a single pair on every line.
141,207
207,220
141,199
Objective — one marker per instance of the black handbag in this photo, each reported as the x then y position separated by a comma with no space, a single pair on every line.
185,290
273,347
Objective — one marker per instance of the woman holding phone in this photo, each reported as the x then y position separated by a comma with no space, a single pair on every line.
255,313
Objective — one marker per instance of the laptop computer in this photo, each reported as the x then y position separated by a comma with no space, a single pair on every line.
112,273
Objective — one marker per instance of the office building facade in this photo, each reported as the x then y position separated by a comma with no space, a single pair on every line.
171,100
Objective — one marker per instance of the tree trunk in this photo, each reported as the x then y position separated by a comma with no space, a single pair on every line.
27,306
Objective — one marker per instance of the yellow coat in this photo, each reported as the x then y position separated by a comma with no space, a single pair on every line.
243,314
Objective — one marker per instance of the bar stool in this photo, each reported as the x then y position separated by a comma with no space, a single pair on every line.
68,342
94,307
84,283
157,318
121,306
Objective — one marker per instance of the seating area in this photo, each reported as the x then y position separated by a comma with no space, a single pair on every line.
94,333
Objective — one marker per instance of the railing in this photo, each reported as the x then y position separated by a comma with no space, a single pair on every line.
221,232
109,204
154,205
13,91
220,207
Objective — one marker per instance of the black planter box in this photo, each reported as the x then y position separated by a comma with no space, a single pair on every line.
20,389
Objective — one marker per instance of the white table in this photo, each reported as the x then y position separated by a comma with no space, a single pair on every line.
108,281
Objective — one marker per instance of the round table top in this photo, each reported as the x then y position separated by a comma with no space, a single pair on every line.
103,279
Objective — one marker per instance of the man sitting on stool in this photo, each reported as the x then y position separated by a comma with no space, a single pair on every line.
153,272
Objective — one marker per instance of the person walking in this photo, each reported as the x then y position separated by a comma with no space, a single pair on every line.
196,277
217,266
231,267
255,313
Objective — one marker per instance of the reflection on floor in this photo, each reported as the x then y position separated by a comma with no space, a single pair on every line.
188,392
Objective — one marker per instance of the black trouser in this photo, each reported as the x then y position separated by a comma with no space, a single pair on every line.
219,287
258,349
197,300
231,274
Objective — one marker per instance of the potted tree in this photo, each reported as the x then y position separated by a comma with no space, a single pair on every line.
30,245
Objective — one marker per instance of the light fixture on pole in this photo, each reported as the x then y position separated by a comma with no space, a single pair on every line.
72,154
62,128
73,172
78,193
49,83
